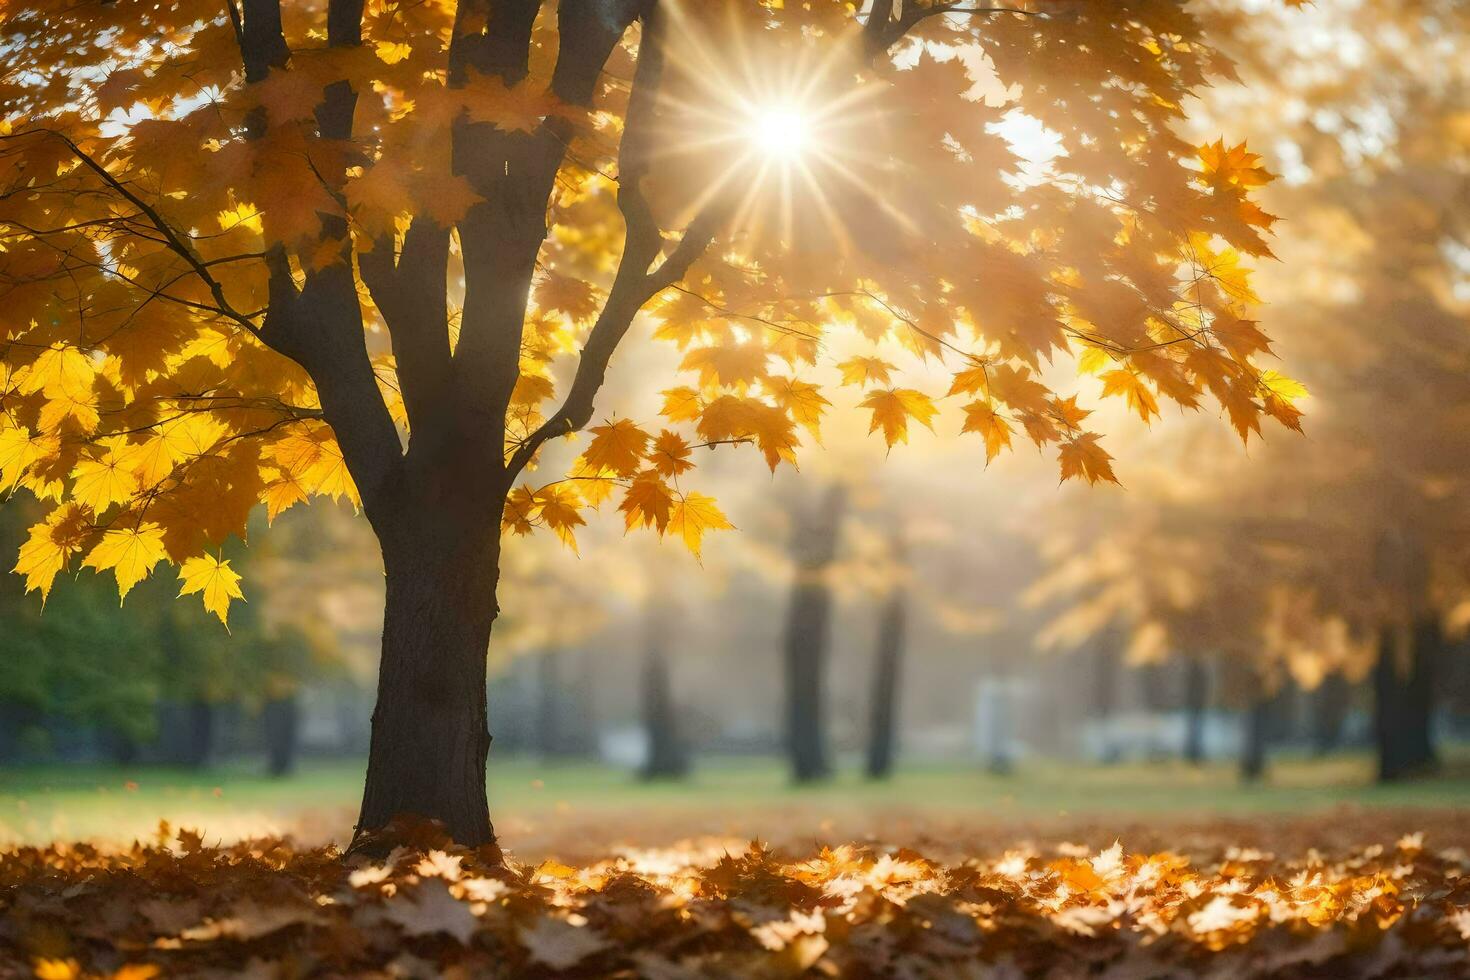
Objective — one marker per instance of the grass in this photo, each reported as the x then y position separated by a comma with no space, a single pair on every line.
38,804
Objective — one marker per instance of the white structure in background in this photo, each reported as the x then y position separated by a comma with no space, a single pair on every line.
1000,703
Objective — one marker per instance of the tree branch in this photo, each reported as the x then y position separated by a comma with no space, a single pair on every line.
634,284
516,173
262,43
175,241
891,31
410,293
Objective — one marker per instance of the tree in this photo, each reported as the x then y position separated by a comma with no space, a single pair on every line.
888,671
1346,554
805,645
668,755
349,250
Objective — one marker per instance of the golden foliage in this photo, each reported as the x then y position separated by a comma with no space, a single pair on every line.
155,208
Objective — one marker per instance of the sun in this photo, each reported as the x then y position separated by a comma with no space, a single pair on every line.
781,131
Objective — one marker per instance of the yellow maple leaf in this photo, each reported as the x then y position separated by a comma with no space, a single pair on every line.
577,298
60,372
1083,457
131,553
51,545
520,507
982,418
240,216
647,503
218,582
1125,382
729,365
670,454
100,483
893,407
392,52
558,505
866,371
802,401
1281,386
1233,166
282,491
617,447
694,515
681,404
18,450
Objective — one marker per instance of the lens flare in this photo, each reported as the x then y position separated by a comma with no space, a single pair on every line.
781,131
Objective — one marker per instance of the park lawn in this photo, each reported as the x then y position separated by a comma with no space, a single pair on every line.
558,805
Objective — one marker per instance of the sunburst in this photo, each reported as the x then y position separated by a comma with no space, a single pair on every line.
791,138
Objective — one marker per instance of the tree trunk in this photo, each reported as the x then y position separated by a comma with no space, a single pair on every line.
281,720
883,721
1403,702
199,727
549,694
1330,704
1104,695
814,546
667,758
1253,739
430,735
1196,701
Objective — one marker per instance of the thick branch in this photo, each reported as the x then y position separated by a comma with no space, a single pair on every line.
262,43
635,284
344,23
515,174
502,47
320,326
410,293
882,30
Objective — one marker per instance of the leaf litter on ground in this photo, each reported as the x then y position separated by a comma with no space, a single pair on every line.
177,906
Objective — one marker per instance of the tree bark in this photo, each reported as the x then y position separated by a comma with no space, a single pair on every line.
1257,722
883,720
813,547
430,736
1196,702
281,720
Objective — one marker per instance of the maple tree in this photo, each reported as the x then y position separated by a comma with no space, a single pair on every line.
1346,552
385,251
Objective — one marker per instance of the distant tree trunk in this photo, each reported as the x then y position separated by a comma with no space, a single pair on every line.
814,546
281,720
1254,736
1196,702
1104,694
197,749
667,757
549,736
120,747
1403,702
883,720
1330,703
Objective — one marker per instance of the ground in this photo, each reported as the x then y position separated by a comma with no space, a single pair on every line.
546,811
943,871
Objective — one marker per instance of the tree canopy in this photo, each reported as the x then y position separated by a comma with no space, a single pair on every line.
250,253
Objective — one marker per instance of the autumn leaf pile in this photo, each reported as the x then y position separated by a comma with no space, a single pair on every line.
176,906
